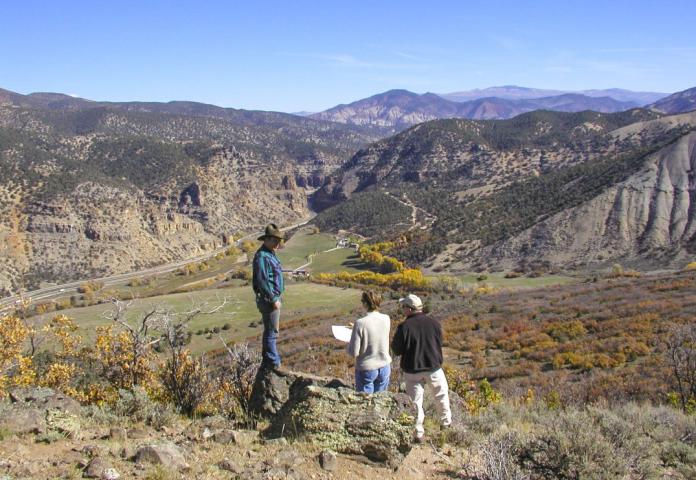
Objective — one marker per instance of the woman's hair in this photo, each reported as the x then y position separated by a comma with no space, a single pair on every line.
372,300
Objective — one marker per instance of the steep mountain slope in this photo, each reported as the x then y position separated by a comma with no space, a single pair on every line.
485,185
399,109
477,154
91,191
649,215
680,102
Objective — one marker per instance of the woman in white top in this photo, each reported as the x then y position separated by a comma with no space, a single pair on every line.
369,343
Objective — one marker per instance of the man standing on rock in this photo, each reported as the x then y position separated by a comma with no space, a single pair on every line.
268,286
419,342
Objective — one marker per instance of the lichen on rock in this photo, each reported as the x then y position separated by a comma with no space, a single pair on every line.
335,417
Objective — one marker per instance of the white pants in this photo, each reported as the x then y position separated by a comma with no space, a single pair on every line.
415,386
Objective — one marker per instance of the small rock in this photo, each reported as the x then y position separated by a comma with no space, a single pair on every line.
224,436
95,468
287,458
277,442
118,433
327,460
274,474
110,474
126,453
164,453
229,466
91,450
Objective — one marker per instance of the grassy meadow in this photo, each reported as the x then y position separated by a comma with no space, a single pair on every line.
305,243
498,280
301,299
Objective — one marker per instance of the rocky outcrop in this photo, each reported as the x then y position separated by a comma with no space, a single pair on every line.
330,414
271,389
39,410
377,426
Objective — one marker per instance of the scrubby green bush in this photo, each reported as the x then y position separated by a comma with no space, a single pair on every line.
630,441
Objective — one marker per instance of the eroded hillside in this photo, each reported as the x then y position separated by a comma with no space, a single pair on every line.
102,190
502,194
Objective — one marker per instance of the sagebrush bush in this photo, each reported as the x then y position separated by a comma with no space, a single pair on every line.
598,442
135,404
569,446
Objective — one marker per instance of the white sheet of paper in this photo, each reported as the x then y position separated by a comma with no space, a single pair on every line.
341,333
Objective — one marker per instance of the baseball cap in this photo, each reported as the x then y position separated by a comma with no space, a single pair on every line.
412,301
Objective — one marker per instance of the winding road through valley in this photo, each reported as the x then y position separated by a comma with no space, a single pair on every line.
7,303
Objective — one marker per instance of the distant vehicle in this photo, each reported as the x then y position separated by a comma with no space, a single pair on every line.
62,290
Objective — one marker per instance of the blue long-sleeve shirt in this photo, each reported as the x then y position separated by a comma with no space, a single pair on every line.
267,276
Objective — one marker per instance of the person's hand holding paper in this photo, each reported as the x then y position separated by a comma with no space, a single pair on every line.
341,333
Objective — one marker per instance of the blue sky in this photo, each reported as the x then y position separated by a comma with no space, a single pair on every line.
310,55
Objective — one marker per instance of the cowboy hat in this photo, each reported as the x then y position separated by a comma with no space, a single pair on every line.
272,231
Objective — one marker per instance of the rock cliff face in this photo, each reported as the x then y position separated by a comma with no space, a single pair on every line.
92,188
651,215
99,229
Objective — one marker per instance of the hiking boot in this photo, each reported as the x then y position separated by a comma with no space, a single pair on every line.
280,371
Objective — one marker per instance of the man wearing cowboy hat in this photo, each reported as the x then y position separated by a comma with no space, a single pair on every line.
268,286
419,342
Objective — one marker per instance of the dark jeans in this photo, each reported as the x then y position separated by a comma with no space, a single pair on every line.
271,324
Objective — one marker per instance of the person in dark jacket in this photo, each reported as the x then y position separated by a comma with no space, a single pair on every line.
268,286
419,342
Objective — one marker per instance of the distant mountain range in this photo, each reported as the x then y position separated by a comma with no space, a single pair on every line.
513,92
400,109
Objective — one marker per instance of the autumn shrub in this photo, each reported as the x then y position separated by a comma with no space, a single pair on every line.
408,279
91,286
184,381
477,397
565,331
15,364
243,274
233,382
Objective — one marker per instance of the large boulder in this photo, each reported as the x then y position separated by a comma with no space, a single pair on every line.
40,409
45,399
23,420
334,417
163,453
271,389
